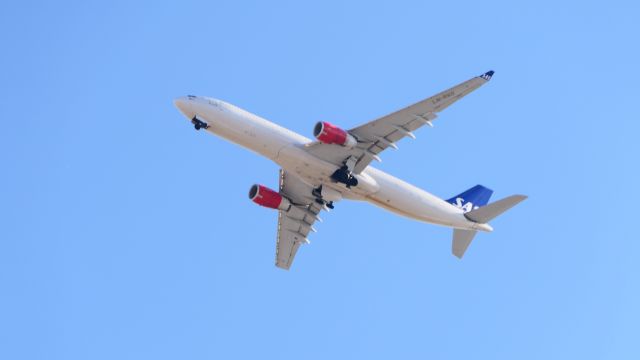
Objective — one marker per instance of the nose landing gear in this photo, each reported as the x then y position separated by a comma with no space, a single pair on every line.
199,124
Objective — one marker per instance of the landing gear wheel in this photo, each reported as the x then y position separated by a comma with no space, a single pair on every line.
344,176
199,124
321,201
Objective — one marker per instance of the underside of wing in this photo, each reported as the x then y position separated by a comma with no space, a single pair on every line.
295,223
375,136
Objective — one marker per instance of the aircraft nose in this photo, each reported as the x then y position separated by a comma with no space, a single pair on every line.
184,105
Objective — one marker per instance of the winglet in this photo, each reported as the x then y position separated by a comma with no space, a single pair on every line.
487,76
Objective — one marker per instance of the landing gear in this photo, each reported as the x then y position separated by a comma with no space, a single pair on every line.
317,192
328,204
199,124
344,176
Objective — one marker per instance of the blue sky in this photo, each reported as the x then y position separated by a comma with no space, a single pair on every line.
126,234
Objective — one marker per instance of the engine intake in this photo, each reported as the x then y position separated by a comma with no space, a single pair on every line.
330,134
266,197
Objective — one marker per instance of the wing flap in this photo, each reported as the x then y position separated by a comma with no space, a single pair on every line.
286,246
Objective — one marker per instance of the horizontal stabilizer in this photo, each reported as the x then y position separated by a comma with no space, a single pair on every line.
486,213
461,241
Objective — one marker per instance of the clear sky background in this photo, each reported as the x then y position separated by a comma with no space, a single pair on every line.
125,234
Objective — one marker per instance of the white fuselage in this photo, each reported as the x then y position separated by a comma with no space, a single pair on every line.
287,149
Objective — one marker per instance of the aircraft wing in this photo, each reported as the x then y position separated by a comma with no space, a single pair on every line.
294,224
375,136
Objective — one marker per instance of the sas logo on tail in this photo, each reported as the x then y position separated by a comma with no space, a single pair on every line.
466,207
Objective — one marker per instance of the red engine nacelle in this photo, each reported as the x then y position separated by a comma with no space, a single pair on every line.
331,134
266,197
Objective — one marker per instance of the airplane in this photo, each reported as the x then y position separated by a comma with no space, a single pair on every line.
314,175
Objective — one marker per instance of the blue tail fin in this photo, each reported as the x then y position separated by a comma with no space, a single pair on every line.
471,199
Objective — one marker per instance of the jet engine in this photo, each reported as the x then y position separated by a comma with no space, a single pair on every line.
330,134
266,197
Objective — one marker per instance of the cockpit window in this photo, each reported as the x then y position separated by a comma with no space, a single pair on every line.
191,97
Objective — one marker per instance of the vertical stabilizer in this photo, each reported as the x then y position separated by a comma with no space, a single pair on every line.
472,199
